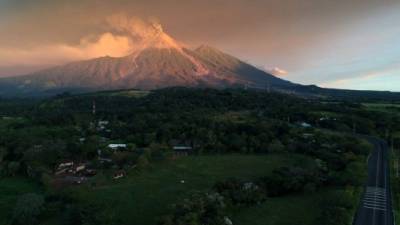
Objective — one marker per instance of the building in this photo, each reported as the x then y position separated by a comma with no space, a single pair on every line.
117,146
79,168
101,125
105,160
181,150
119,174
305,125
65,164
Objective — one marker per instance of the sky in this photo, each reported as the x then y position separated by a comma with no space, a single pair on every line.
352,44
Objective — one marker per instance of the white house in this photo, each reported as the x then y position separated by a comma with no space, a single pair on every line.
119,174
80,167
305,125
182,148
103,122
65,164
117,146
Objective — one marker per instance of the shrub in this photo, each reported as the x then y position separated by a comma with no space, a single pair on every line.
28,208
240,193
198,209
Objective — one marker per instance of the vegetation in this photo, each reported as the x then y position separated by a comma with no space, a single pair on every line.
188,156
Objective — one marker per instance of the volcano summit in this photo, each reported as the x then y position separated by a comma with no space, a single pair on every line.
156,61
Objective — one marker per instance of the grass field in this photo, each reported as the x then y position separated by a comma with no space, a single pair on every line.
143,197
10,190
288,210
383,107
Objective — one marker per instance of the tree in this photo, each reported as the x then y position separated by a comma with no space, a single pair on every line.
13,168
28,208
276,146
142,161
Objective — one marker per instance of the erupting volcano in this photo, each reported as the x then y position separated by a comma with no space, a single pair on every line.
156,60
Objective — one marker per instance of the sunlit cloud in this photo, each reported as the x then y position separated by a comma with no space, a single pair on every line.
123,36
277,71
386,79
106,44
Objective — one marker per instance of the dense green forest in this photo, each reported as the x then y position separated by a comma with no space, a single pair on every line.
186,156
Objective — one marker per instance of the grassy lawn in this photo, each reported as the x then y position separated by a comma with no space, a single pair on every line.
143,197
299,209
287,210
383,107
10,190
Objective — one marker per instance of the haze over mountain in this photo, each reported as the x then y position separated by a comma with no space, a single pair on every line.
157,61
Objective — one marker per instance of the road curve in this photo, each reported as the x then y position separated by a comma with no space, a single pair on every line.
376,203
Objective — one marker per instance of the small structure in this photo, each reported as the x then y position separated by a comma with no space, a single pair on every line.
182,150
119,174
104,160
305,125
65,164
103,122
101,125
61,171
117,146
79,168
228,221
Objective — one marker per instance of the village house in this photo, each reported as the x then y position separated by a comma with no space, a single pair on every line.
79,168
64,167
104,160
117,146
101,125
119,174
305,125
65,164
182,150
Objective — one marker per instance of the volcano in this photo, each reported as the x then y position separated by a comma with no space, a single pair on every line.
158,62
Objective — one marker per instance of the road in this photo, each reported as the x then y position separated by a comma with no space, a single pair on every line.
376,203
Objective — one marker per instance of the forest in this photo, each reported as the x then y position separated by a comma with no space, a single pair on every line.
185,156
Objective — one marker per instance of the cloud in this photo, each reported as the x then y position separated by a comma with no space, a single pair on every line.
136,28
361,81
123,34
106,44
277,72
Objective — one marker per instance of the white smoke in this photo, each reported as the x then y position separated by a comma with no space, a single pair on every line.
124,35
136,28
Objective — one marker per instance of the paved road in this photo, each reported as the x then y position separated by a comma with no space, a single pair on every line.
376,205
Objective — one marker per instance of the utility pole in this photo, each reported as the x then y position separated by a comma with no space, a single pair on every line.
392,144
268,87
94,108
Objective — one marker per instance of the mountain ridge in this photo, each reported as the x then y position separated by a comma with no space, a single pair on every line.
149,68
160,62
